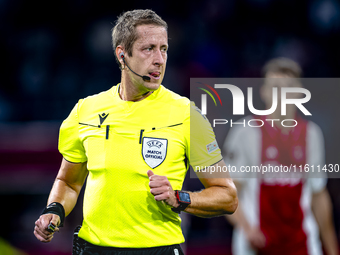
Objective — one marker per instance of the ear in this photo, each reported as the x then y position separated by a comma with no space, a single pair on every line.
120,50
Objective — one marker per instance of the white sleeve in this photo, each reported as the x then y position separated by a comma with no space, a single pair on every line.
315,156
242,148
232,148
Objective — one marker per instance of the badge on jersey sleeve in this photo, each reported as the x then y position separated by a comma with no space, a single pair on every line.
154,151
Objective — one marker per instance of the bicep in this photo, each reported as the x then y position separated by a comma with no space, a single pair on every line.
322,208
73,174
320,200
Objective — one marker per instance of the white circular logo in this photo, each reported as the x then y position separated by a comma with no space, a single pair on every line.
271,152
298,152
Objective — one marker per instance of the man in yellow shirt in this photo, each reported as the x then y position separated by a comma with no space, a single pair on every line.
116,137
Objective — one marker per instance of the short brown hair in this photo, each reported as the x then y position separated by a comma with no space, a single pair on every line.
284,66
124,32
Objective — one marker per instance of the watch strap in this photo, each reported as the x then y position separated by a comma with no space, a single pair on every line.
181,206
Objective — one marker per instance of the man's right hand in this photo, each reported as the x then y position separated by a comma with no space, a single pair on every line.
256,238
41,227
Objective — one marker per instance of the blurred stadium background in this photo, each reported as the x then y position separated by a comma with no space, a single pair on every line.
55,52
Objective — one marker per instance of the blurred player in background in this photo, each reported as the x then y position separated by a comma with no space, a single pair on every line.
117,137
280,215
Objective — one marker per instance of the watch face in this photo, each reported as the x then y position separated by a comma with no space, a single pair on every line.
184,197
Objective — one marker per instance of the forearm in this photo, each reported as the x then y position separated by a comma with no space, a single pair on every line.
326,227
238,219
64,194
219,196
213,201
68,184
329,240
65,190
322,208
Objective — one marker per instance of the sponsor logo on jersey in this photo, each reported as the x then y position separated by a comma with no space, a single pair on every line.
154,151
102,117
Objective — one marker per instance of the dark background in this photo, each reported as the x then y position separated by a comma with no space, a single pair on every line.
54,52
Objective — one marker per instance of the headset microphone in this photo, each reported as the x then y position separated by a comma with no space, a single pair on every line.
144,77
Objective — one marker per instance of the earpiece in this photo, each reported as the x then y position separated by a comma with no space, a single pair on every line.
144,77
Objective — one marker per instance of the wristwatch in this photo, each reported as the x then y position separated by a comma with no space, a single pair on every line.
183,199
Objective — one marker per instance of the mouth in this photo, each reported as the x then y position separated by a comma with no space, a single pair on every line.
155,75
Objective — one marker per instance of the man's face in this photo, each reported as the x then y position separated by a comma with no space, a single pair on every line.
279,81
149,56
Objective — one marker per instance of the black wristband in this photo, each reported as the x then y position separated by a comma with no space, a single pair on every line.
58,209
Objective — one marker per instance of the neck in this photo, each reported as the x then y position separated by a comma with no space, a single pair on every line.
128,91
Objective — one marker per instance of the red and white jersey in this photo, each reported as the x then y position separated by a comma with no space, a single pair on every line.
279,206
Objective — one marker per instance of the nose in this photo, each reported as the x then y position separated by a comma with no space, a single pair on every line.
159,58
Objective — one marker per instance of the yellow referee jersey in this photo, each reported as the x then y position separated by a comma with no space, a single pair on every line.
121,141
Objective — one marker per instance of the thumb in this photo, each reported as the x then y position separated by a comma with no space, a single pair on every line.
55,221
150,173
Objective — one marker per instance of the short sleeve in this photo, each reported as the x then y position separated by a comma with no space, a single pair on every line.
316,156
202,148
70,146
242,148
233,151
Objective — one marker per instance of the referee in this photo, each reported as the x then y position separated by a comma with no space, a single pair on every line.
132,143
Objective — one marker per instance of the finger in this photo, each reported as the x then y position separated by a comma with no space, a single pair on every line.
160,190
163,196
258,240
42,239
40,233
158,178
150,173
255,245
42,224
160,183
261,240
45,219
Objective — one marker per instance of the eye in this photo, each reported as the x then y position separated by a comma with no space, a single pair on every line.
149,48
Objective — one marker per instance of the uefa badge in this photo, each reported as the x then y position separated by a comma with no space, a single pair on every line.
154,151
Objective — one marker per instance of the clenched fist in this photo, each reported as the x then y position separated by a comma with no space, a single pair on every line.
161,188
41,231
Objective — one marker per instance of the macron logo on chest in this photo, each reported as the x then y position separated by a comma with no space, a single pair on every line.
102,117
